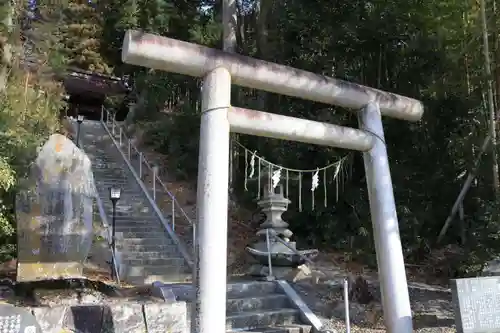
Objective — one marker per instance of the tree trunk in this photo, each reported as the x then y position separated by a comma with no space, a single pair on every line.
263,52
491,106
7,49
465,16
229,40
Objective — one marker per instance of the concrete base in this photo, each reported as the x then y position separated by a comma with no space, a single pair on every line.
118,317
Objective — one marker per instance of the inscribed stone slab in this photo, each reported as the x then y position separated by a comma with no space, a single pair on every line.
54,213
477,304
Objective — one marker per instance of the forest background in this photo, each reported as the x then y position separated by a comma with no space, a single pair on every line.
430,50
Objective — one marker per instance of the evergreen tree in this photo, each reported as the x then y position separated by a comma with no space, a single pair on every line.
81,34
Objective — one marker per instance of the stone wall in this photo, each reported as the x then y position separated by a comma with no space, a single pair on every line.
119,317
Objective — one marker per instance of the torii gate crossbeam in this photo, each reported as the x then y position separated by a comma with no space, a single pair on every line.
219,70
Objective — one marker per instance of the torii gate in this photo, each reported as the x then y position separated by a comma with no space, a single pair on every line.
219,70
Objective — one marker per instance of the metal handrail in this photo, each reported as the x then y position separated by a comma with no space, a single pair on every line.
156,181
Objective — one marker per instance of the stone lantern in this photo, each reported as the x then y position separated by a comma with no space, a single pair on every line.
284,258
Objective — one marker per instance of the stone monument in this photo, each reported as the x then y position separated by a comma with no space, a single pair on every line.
475,302
54,213
15,319
284,258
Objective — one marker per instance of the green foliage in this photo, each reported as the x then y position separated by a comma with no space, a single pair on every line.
30,106
28,115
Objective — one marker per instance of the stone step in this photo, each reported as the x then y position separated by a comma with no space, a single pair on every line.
104,168
251,289
111,175
130,248
126,202
129,191
137,209
146,235
104,159
133,215
139,225
109,181
115,171
127,194
125,197
131,221
267,302
129,216
104,164
150,254
117,175
105,184
112,178
295,328
158,240
168,260
137,218
166,278
156,228
256,319
147,270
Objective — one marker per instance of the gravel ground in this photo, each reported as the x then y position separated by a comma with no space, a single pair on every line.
432,308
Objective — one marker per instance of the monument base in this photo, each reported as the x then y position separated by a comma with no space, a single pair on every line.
29,272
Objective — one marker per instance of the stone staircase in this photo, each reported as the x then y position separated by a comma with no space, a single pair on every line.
147,251
253,306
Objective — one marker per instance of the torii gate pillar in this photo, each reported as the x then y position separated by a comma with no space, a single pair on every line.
213,187
390,261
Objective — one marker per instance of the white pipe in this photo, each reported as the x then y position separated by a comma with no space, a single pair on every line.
269,261
173,214
346,306
213,173
390,261
140,163
155,171
246,121
152,51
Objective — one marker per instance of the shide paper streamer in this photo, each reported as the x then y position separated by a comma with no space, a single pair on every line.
340,172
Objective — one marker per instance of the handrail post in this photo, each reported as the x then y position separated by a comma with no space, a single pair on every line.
154,182
120,140
269,263
140,165
129,150
194,241
173,214
346,304
102,113
113,126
